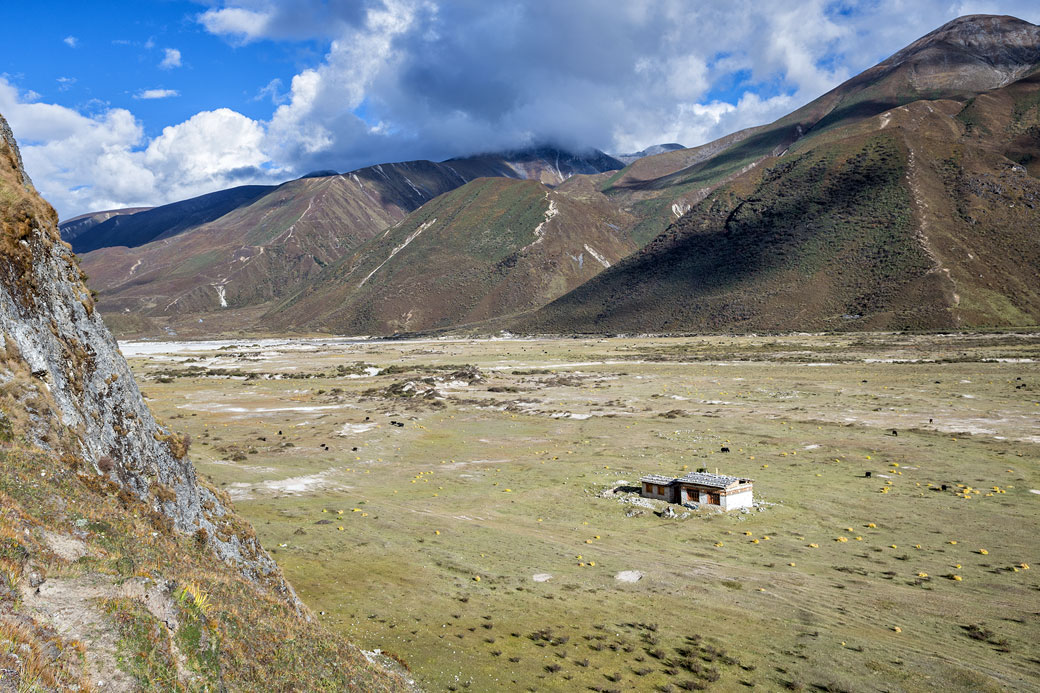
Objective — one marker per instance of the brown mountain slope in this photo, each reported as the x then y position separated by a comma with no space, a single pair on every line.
918,217
493,247
229,267
969,55
119,569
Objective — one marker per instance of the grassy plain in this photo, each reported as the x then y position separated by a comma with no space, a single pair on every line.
836,581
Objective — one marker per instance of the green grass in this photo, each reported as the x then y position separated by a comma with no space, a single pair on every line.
515,211
143,647
434,511
996,304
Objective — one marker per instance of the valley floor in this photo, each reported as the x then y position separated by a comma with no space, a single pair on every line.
461,504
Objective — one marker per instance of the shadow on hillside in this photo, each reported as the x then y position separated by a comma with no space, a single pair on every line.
167,221
718,262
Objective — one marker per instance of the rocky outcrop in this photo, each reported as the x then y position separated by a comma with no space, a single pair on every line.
84,401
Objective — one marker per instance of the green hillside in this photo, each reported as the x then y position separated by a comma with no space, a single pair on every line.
494,246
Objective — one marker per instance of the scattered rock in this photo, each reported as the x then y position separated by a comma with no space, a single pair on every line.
541,577
629,576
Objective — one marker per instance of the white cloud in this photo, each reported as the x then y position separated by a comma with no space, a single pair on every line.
171,59
245,21
207,151
241,24
317,123
272,91
157,94
71,41
82,163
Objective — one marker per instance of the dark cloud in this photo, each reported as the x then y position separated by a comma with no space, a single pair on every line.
456,77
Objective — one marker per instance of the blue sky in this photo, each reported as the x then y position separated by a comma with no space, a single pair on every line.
141,103
95,56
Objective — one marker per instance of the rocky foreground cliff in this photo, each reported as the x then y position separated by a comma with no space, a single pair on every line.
119,568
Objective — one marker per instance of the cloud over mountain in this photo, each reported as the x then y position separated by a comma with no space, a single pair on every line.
405,79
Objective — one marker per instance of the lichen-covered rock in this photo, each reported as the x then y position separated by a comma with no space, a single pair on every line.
85,395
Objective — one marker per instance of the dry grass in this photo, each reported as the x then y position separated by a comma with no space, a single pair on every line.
244,637
433,510
33,657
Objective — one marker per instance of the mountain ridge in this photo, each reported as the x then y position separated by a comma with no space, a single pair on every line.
490,247
261,251
105,228
711,271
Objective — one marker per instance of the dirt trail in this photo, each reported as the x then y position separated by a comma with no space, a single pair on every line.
921,207
71,606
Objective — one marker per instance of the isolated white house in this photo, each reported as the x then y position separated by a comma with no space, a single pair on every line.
727,492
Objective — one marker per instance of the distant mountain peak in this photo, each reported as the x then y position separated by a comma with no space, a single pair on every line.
579,160
323,173
970,45
991,24
649,151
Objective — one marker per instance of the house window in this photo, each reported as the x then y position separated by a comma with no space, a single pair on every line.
660,490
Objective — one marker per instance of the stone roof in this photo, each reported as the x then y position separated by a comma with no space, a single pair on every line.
711,480
658,479
696,478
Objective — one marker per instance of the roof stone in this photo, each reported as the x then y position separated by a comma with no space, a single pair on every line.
658,479
697,478
712,480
